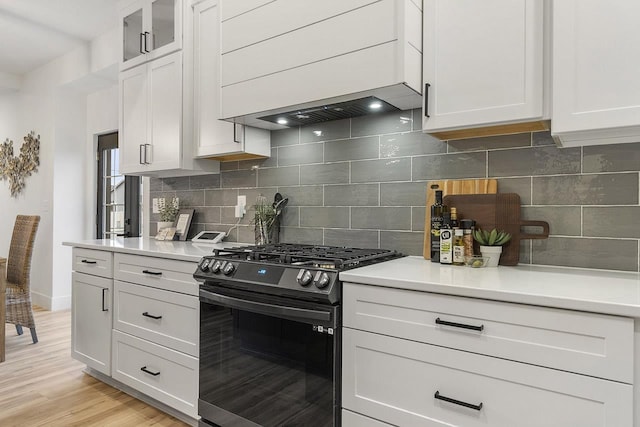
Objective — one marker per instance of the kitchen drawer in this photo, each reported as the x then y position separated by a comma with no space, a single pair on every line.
94,262
586,343
351,419
396,381
168,376
166,318
161,273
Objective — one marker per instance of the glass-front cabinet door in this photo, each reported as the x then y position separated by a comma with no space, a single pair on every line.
149,29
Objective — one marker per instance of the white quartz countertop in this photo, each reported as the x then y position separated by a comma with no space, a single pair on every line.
180,250
598,291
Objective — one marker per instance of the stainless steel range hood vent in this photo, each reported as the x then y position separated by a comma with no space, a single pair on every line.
336,111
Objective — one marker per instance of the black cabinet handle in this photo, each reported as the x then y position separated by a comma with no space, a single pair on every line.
457,402
146,314
141,36
426,99
104,299
144,369
153,273
237,136
86,261
140,154
146,33
459,325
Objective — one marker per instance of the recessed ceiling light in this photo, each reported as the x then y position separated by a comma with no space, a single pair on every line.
282,121
375,105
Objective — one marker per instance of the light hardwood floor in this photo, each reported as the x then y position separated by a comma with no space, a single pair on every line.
40,385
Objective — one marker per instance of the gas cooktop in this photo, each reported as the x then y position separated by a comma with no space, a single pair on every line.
285,269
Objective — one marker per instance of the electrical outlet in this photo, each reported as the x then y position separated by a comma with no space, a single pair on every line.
242,200
155,207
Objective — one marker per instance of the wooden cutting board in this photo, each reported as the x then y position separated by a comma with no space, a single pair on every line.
501,211
458,186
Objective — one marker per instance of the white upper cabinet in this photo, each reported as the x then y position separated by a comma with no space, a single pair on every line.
214,138
484,67
150,29
151,117
289,55
596,70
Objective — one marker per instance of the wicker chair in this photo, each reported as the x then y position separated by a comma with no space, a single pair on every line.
19,311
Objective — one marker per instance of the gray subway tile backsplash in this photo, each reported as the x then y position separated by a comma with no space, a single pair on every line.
601,189
367,147
352,238
362,182
331,173
410,144
384,170
351,195
326,131
612,158
449,166
545,160
381,218
300,154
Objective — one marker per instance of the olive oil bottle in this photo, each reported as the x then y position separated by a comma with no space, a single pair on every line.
446,240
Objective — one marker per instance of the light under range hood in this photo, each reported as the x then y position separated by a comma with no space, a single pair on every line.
336,111
326,64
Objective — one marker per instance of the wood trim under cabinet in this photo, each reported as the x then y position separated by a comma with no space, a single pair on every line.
493,130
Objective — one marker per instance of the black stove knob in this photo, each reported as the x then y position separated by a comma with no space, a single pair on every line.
321,280
228,269
304,277
204,265
215,266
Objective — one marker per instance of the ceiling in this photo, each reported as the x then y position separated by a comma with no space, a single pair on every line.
34,32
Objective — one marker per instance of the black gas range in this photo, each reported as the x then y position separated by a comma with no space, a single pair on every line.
270,333
299,271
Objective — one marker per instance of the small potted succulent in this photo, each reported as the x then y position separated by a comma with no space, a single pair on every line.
168,212
491,244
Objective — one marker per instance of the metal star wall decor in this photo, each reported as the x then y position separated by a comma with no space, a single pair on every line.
16,169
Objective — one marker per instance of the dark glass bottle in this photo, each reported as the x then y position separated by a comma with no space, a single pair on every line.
437,209
454,218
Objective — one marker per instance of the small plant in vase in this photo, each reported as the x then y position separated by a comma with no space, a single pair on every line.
491,244
168,212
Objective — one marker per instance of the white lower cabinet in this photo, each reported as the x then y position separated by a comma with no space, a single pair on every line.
139,324
407,383
420,359
91,316
166,375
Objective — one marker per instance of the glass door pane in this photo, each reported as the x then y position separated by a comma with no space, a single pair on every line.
163,22
133,36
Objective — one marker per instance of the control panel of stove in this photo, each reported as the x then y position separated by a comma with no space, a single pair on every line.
289,277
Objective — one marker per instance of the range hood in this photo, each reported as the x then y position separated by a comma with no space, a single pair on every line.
326,64
327,112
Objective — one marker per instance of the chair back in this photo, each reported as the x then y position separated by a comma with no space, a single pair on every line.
19,260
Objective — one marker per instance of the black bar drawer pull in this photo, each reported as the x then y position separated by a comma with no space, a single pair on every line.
153,273
457,402
104,291
146,314
141,36
86,261
459,325
155,374
426,99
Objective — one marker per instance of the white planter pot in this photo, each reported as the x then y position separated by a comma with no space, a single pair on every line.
493,253
164,224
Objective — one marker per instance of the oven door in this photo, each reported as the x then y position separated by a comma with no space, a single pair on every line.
267,361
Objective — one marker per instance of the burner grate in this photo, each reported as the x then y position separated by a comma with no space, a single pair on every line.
334,257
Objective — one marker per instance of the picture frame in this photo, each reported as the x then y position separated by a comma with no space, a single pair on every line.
183,223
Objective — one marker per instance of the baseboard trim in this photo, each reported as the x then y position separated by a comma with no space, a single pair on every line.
51,304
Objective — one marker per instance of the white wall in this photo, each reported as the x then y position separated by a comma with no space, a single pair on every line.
54,101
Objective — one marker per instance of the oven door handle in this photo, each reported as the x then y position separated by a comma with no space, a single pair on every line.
268,309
